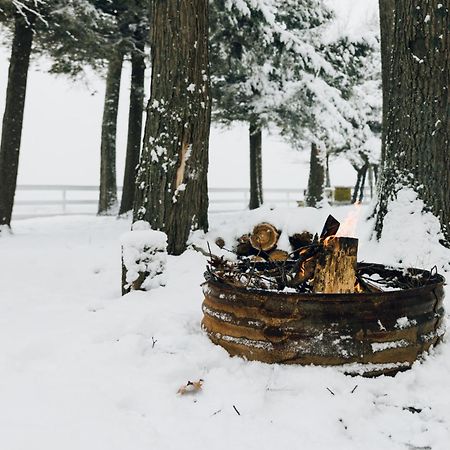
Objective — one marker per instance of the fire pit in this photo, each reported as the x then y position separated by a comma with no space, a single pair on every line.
387,322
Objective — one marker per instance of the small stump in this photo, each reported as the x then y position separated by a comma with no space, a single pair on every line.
368,333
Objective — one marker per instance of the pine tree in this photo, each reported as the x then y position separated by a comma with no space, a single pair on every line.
337,107
129,36
257,49
37,25
416,69
139,19
172,192
95,33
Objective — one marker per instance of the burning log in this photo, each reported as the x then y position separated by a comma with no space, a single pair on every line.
335,270
264,237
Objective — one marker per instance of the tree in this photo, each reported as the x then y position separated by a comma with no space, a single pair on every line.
172,192
134,137
50,26
257,49
129,36
416,117
140,31
316,181
108,185
14,108
123,35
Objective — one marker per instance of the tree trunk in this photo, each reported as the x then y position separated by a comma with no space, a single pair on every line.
387,16
315,193
13,116
363,184
358,192
371,179
134,129
327,171
172,190
108,185
256,192
416,131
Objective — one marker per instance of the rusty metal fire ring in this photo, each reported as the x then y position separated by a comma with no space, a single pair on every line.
365,333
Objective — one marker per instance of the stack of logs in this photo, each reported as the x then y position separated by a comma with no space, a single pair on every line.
324,263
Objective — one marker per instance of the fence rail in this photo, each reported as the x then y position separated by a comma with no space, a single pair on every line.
36,200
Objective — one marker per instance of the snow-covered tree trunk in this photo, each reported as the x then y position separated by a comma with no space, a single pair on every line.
316,181
256,190
108,184
135,114
13,116
417,127
172,191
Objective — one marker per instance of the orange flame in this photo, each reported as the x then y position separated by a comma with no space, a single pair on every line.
348,226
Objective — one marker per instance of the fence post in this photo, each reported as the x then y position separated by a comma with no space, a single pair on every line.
64,201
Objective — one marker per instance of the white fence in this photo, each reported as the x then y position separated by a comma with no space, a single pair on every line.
51,200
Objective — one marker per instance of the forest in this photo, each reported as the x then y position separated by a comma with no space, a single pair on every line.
319,322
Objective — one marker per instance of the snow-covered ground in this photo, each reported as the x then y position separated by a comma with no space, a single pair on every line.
82,368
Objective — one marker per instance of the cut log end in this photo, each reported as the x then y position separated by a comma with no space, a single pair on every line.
278,255
264,237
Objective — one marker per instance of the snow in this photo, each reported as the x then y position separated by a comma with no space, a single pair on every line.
404,322
145,251
83,368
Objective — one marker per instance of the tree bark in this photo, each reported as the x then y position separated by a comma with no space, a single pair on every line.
172,190
256,191
387,16
315,192
13,116
417,119
108,184
134,128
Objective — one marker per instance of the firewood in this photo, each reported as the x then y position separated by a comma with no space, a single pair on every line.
278,255
306,271
304,268
299,240
256,258
264,237
335,270
244,247
330,228
220,242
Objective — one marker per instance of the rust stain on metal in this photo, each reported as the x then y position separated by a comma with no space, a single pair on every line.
327,329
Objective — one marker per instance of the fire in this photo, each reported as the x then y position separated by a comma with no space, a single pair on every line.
348,226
